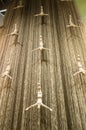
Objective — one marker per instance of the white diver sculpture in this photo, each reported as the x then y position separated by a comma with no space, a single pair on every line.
71,24
41,48
39,102
19,6
15,32
80,68
7,72
41,13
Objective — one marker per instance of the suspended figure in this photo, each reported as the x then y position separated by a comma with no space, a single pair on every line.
15,33
19,6
39,100
7,72
41,13
41,48
71,24
80,68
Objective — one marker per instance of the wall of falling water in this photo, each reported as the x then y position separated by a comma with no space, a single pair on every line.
62,92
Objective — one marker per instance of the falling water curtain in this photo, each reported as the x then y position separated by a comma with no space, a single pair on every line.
63,92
